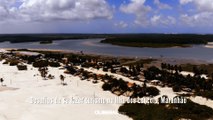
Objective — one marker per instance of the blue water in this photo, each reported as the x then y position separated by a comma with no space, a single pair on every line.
199,52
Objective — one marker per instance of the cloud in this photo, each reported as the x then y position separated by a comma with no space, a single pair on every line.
183,2
162,5
199,19
201,5
204,5
47,10
137,8
202,15
155,18
121,24
158,20
3,12
143,13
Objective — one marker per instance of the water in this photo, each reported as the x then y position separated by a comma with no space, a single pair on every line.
198,52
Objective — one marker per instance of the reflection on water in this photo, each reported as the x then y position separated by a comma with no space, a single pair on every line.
199,52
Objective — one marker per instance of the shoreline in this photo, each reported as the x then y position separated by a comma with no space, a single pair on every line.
163,59
150,45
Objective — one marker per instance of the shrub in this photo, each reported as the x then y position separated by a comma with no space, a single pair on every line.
6,62
54,64
40,63
105,69
71,70
176,88
152,91
190,110
22,67
106,86
13,62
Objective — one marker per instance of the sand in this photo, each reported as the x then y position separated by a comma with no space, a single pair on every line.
23,87
17,104
4,88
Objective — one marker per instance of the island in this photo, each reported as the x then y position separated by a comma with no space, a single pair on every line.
46,42
158,40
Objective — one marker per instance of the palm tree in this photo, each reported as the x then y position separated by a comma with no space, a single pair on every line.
43,72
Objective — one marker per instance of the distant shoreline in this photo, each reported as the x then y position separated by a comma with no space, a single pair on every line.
151,45
164,59
159,40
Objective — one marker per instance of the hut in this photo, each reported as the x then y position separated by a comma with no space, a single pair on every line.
21,66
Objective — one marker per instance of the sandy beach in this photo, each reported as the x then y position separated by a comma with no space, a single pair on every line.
2,88
17,104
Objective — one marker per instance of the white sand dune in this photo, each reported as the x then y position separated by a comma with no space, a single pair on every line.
210,43
209,46
16,105
202,101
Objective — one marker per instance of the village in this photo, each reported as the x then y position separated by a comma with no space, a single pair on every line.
108,74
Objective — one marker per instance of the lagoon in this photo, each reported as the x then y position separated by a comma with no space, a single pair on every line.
197,52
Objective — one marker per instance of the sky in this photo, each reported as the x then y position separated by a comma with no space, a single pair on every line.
106,16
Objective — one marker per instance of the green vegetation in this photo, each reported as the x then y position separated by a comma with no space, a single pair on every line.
43,71
121,87
158,40
40,63
190,110
206,94
12,62
176,88
202,67
46,42
141,61
54,64
22,67
171,76
152,45
45,63
135,40
16,38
